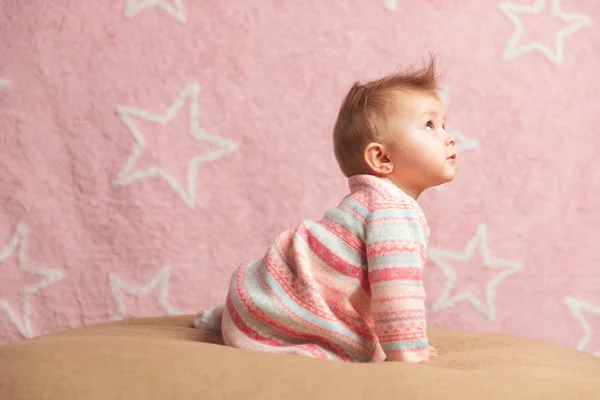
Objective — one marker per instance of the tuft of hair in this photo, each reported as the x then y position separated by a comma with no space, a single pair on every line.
364,113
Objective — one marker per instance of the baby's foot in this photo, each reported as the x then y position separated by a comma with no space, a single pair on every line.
209,320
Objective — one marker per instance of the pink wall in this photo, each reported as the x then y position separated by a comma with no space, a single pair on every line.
149,146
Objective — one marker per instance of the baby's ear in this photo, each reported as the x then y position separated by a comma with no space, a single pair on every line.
376,158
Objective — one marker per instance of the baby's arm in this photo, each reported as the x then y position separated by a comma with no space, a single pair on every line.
396,243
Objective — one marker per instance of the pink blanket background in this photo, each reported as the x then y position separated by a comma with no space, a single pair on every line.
147,147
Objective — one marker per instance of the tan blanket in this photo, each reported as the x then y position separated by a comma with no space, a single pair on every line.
165,358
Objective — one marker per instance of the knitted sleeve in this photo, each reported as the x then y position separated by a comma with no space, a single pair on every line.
396,241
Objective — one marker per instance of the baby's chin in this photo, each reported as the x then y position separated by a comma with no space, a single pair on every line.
447,177
450,172
450,177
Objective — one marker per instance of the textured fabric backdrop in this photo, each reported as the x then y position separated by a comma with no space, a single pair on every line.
150,146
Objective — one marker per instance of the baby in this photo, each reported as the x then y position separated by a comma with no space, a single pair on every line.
349,287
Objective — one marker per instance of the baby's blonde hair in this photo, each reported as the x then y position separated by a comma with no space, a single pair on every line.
364,113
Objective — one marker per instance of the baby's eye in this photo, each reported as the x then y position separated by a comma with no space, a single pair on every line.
429,125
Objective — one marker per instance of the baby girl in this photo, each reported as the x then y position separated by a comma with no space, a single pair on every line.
349,286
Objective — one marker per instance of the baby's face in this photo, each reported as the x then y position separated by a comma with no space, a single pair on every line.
423,153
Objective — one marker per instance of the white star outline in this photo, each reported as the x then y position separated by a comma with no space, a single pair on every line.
480,242
18,243
390,5
514,47
127,175
175,10
463,143
160,280
577,307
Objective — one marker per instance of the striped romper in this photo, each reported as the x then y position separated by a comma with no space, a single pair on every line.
348,287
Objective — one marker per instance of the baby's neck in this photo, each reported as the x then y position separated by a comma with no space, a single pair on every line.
410,191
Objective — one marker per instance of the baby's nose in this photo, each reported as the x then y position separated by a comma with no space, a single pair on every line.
450,139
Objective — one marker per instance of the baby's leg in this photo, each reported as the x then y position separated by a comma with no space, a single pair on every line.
247,336
210,320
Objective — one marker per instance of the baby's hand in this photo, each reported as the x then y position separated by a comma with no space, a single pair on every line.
419,357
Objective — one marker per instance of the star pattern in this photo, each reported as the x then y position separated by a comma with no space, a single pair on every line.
174,9
577,308
515,47
17,246
281,111
479,242
129,174
159,281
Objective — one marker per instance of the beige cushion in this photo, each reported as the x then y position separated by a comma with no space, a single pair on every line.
165,358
